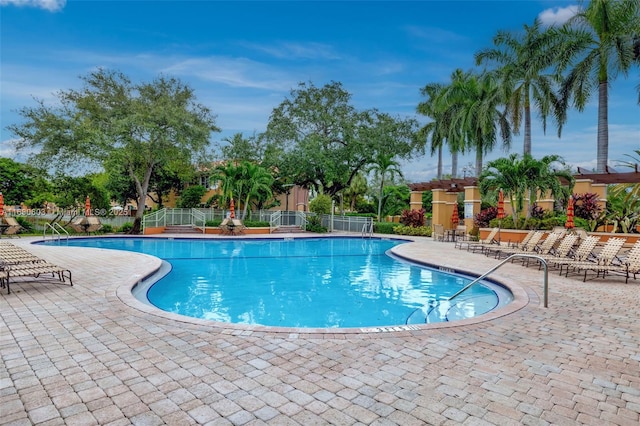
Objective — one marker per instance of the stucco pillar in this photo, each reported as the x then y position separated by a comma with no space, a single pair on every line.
439,204
472,202
415,200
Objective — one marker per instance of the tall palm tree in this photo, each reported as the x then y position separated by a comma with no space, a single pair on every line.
384,166
438,129
598,44
522,60
478,121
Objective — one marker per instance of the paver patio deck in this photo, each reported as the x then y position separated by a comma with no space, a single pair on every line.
91,354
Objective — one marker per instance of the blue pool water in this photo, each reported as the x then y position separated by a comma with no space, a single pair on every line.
302,282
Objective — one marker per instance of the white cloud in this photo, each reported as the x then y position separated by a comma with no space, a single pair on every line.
291,50
557,15
234,72
50,5
434,35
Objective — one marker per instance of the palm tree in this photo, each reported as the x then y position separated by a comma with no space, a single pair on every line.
598,43
524,176
521,61
257,181
228,175
438,129
384,166
477,121
631,191
357,188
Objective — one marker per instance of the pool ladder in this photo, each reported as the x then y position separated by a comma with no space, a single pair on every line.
433,304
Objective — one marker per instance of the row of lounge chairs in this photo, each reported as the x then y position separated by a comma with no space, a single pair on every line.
569,253
18,262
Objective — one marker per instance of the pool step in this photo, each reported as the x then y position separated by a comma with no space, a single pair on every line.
180,229
288,229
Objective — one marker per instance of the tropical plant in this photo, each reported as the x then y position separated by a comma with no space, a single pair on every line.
623,214
522,177
631,191
587,206
598,43
412,217
383,166
356,190
257,184
438,130
477,121
522,61
228,175
484,217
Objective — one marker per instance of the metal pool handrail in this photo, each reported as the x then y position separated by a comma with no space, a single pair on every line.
434,304
530,256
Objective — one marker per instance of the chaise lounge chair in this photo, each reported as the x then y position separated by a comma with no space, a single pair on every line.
602,262
582,254
527,248
480,245
13,228
562,251
17,262
630,264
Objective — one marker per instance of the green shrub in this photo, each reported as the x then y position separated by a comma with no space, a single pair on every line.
384,227
314,224
256,224
418,231
371,215
106,229
126,227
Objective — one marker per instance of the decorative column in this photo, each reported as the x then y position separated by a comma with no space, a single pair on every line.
439,204
415,200
472,202
452,199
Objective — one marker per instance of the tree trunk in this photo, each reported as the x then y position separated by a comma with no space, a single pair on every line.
141,189
454,164
440,161
603,127
527,123
479,159
380,198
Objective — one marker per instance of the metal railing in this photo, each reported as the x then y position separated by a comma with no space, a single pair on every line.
275,220
198,219
155,219
54,231
433,306
367,229
346,223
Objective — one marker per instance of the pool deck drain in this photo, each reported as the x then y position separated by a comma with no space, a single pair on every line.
89,355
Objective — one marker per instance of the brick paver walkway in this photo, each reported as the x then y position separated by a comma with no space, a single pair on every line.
89,354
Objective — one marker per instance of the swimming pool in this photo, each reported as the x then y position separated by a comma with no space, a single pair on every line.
302,282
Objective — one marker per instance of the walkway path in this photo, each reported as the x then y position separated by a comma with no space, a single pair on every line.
88,354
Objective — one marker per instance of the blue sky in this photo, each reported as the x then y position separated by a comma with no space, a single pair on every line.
243,58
